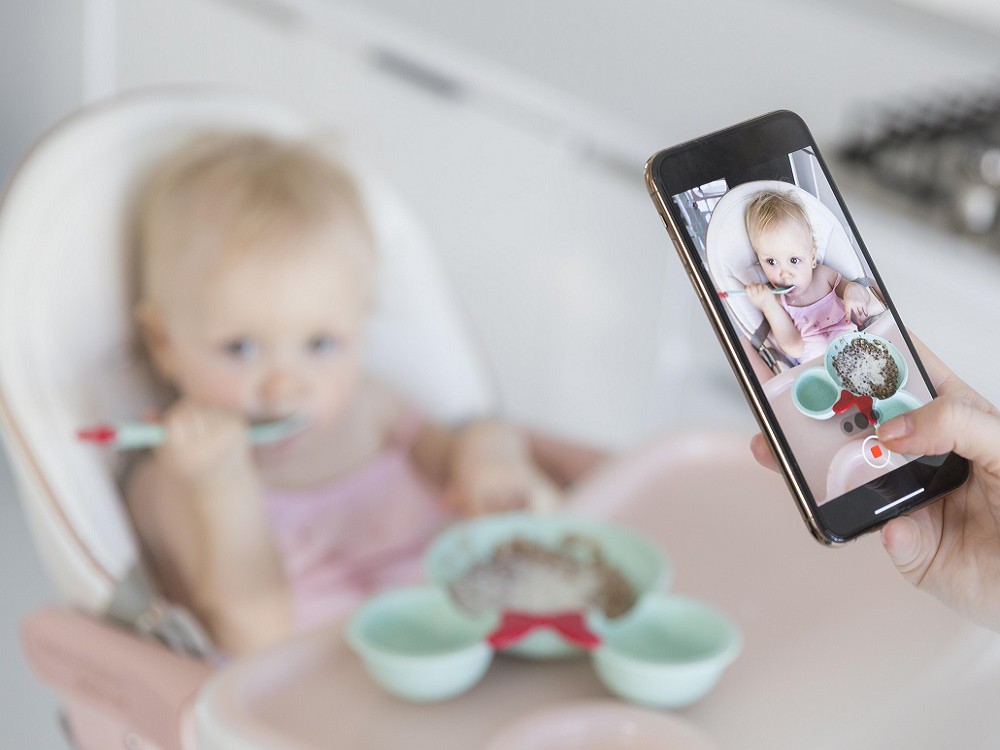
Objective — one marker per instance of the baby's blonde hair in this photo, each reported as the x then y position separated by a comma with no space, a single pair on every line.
770,209
223,191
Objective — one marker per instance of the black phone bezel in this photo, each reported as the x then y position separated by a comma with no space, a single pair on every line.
746,146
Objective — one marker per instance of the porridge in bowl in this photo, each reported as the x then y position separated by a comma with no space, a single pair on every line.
866,367
526,576
546,565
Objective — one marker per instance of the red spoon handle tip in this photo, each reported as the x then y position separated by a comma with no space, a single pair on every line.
100,434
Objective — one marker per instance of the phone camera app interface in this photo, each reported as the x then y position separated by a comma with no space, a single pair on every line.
828,353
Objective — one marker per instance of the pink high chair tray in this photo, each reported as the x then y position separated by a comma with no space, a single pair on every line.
600,725
839,650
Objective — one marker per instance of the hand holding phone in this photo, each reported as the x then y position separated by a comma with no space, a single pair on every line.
827,360
944,548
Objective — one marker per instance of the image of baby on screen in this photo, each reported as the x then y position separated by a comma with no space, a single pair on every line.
806,303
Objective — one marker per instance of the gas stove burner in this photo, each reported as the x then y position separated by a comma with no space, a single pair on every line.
939,153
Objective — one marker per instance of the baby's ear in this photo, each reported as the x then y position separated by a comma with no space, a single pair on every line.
156,338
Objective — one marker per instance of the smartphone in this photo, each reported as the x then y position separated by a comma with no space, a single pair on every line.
804,317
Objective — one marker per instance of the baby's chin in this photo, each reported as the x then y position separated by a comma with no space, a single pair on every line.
286,445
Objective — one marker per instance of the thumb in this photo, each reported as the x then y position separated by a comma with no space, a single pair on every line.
945,425
911,543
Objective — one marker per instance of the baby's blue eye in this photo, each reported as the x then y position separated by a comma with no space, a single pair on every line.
770,261
796,261
241,348
322,344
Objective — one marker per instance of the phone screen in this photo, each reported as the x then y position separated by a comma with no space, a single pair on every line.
773,242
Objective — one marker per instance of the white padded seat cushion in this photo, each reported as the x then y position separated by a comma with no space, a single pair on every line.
65,326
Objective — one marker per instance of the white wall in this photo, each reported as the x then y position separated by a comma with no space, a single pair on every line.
40,75
681,69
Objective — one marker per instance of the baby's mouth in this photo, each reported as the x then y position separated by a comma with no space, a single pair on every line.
255,421
258,421
275,432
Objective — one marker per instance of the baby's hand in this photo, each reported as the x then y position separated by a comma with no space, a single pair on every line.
855,303
204,444
759,295
492,472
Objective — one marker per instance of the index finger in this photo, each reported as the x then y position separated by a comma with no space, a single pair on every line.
762,453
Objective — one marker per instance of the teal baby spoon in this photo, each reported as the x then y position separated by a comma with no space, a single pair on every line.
740,292
131,435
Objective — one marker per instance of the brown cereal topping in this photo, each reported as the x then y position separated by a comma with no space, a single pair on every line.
866,367
526,576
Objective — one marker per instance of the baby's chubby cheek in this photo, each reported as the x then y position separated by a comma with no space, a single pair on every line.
333,402
213,391
774,278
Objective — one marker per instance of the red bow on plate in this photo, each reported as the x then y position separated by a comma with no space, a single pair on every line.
848,399
517,625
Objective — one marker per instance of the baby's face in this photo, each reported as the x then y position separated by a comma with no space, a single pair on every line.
786,253
271,333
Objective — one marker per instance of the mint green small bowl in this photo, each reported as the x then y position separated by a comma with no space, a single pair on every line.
900,403
668,652
417,645
466,543
815,393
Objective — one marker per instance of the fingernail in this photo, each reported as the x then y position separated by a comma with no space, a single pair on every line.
895,428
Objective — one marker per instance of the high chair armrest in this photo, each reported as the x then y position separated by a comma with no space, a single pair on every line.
564,461
138,682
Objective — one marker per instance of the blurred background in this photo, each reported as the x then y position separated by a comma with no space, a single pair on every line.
518,131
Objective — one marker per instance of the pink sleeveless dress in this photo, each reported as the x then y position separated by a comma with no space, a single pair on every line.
344,542
819,323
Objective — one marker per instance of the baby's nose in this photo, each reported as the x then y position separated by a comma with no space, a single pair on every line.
280,390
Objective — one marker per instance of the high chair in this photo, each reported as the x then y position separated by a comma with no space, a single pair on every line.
733,264
127,664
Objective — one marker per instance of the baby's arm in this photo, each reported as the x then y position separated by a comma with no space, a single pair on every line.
783,329
198,509
485,466
859,301
490,469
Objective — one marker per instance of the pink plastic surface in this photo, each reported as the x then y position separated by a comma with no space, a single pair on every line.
599,725
92,729
839,650
114,683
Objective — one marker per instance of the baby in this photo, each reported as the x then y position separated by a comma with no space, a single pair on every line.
256,273
822,305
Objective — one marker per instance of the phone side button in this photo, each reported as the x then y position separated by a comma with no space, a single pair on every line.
694,283
670,231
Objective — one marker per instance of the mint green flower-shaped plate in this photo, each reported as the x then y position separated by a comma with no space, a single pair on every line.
665,651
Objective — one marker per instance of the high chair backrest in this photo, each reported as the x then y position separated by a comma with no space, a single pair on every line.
65,323
733,263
